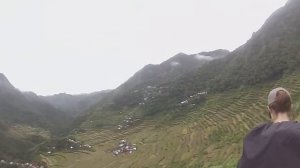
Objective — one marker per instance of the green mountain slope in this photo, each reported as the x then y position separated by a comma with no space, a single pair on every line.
28,108
272,51
74,105
20,142
208,135
28,121
199,119
193,116
25,122
173,68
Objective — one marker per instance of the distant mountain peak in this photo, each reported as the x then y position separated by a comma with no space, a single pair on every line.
4,82
181,54
2,76
176,66
215,53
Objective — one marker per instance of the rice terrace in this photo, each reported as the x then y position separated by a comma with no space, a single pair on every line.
107,94
209,135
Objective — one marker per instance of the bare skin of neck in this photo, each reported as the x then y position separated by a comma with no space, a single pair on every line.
279,117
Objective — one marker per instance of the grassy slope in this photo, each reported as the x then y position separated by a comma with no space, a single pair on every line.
21,142
209,136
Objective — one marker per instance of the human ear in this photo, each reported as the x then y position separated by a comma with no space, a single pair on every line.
269,112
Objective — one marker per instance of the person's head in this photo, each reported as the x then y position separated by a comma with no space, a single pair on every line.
279,104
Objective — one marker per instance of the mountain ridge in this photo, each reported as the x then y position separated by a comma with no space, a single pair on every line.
201,118
194,118
74,105
169,70
269,54
4,82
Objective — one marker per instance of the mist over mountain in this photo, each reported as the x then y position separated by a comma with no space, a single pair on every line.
195,113
28,108
188,111
169,70
4,83
74,105
56,112
270,53
50,112
26,119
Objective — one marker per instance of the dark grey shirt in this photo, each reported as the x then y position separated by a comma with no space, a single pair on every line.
272,145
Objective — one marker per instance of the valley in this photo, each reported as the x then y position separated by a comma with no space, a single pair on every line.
210,135
190,111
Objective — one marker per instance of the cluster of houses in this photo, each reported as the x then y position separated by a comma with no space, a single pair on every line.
124,148
11,164
127,122
151,92
69,144
78,130
192,98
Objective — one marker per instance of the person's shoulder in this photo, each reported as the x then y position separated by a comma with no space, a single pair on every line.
290,128
295,123
293,126
262,126
259,129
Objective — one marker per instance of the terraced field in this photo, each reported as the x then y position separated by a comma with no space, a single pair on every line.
209,136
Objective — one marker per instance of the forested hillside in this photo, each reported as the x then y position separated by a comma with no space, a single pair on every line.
189,111
199,119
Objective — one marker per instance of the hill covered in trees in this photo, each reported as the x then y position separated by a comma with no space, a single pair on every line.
209,108
27,121
189,111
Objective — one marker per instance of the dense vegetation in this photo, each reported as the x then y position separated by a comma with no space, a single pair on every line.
28,122
206,135
270,53
181,129
195,115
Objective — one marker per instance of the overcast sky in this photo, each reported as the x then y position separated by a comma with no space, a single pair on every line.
80,46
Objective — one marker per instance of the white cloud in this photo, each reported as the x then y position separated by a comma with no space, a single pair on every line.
174,63
203,57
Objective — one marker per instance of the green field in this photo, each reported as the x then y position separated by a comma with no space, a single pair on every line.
209,135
